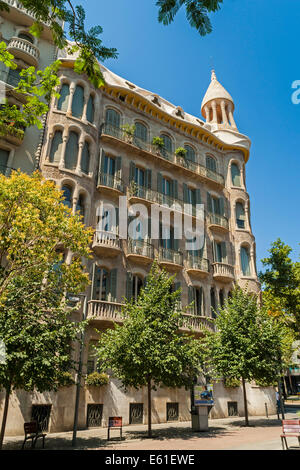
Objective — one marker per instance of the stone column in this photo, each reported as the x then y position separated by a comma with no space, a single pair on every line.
224,115
252,262
86,99
79,157
47,156
72,91
63,150
207,113
214,108
232,122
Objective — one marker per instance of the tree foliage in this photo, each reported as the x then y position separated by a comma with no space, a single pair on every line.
35,324
197,12
281,284
249,344
65,20
148,350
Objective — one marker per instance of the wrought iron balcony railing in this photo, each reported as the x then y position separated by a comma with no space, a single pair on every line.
195,167
111,181
216,219
166,255
197,263
140,248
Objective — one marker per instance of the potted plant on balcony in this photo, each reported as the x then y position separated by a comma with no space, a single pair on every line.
180,153
128,132
133,189
97,379
158,143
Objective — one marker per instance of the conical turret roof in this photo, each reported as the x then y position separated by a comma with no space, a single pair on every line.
215,91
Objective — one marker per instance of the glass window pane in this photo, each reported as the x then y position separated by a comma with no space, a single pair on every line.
71,151
63,101
56,147
77,103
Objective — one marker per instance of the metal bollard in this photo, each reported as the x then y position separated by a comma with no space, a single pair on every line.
266,407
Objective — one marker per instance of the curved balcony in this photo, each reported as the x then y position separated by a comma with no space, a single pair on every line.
170,259
197,266
25,50
197,324
217,222
106,312
223,272
106,244
139,251
11,134
109,183
111,132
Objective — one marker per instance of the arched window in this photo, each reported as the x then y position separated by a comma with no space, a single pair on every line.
235,175
80,206
26,36
56,147
211,163
67,194
245,261
4,155
141,131
63,101
240,215
71,151
190,154
112,118
90,112
85,160
77,103
168,143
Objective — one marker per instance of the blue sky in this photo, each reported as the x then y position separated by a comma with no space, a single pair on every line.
254,50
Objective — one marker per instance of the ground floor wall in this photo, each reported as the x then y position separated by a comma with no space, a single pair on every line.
98,403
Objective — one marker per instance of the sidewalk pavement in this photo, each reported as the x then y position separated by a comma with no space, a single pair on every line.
224,434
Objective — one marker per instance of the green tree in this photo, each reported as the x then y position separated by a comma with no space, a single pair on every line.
281,284
35,323
249,344
197,12
147,350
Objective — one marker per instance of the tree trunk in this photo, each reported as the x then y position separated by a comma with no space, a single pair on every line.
245,402
4,418
149,409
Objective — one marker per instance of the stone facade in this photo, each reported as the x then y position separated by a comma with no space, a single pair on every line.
87,153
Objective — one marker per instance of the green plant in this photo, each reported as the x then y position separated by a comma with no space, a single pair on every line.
128,129
67,380
97,379
231,382
181,152
158,142
133,188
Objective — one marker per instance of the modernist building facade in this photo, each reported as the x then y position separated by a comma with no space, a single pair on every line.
89,148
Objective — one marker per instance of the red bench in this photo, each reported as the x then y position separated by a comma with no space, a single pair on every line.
290,428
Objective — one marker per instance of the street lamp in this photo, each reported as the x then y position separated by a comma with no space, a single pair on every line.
76,298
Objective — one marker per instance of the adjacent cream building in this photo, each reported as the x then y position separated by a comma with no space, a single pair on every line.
85,148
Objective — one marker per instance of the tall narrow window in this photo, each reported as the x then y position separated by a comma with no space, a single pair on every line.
211,163
168,147
67,194
245,261
137,284
190,154
80,206
139,176
220,254
240,215
90,112
63,101
71,151
235,175
85,159
77,103
213,302
109,166
104,284
141,131
112,118
56,147
196,296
